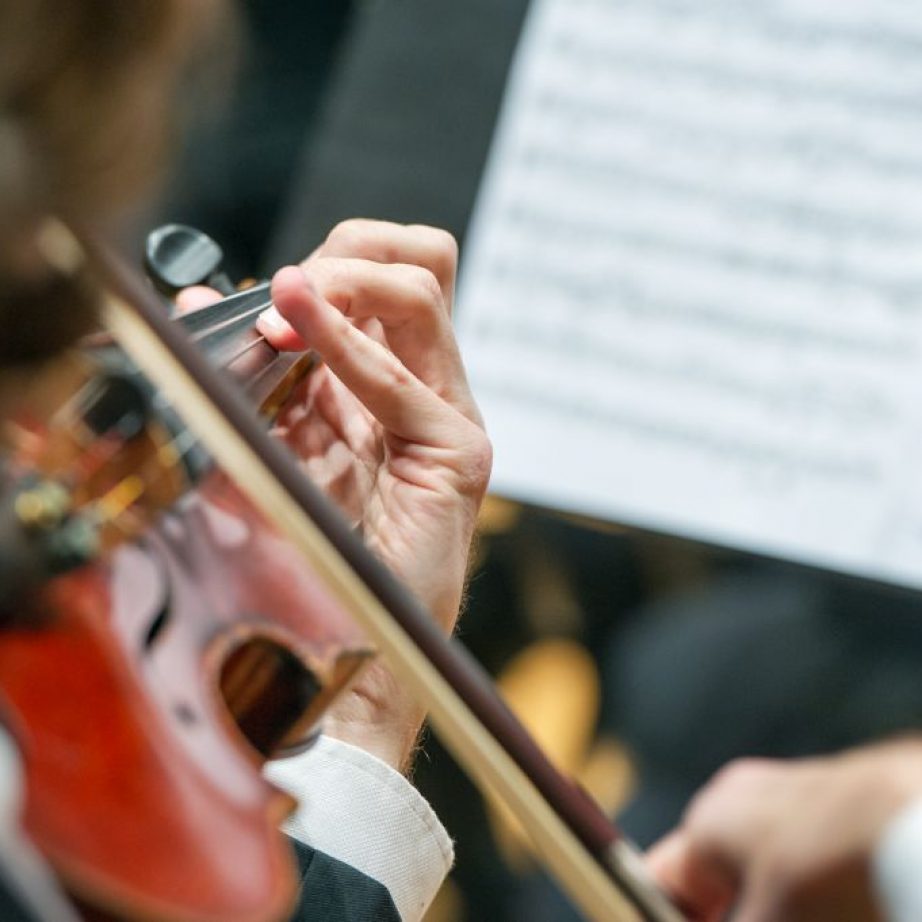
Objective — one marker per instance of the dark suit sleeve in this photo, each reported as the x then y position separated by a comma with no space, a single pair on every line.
333,891
330,891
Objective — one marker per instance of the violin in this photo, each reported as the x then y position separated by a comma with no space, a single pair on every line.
196,635
184,643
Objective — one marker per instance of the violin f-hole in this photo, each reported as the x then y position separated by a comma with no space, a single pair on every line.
267,690
275,699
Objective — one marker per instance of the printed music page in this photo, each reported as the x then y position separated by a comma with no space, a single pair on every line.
691,299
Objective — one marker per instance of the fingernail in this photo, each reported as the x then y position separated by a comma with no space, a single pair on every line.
273,319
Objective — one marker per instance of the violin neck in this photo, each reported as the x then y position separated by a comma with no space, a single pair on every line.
226,332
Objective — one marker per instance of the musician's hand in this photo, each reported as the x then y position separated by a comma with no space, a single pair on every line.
788,842
387,427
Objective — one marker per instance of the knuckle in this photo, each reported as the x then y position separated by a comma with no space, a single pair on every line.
397,377
697,812
321,273
443,248
727,784
443,244
437,238
337,351
317,270
426,285
741,772
740,782
348,235
337,341
480,461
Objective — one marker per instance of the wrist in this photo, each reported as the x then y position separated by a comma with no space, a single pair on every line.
378,716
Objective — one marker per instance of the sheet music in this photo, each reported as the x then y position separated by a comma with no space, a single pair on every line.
691,297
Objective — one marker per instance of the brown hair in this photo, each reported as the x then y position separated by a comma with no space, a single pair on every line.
87,111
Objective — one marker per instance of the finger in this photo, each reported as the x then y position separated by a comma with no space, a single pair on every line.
734,812
384,242
702,889
760,904
380,381
408,303
279,332
196,296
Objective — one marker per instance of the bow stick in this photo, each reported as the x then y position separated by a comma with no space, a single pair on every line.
601,871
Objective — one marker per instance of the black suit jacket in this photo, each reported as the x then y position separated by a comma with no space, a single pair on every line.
329,890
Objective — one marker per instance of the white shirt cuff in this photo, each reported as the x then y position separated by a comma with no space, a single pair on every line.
354,807
897,865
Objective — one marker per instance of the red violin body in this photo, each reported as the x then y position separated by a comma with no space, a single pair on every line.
146,689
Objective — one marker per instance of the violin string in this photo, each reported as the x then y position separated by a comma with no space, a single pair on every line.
203,335
69,410
243,350
127,491
178,448
226,362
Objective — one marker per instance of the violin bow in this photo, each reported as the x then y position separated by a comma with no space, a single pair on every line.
601,871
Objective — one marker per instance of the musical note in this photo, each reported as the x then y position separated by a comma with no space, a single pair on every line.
695,267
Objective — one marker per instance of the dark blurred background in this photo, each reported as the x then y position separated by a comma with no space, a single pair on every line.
663,659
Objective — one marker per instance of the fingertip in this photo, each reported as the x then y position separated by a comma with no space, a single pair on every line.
666,861
701,889
293,293
196,296
286,324
279,332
